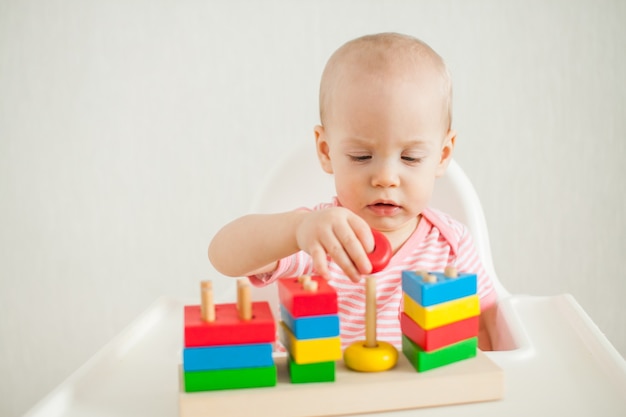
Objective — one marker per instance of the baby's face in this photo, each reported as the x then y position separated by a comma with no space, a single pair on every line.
385,140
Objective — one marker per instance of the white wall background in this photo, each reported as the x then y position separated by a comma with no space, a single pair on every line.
130,131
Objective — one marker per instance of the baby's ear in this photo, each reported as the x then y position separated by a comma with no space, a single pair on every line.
446,152
323,150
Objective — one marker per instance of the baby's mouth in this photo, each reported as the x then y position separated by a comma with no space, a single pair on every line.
384,208
383,204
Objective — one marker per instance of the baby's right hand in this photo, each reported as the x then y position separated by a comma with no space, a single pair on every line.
340,233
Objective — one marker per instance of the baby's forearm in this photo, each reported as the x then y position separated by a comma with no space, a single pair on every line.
254,243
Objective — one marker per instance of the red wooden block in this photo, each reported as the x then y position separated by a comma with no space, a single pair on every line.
381,255
228,329
302,303
439,337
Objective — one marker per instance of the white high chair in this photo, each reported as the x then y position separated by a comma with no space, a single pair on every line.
522,338
554,358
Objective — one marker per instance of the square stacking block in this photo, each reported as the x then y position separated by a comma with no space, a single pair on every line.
310,350
423,361
227,357
441,314
441,336
312,372
312,327
445,289
230,379
301,303
228,328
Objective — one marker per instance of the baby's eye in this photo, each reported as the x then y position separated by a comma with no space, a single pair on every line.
360,158
411,159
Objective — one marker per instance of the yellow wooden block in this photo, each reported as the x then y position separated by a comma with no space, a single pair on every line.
441,314
310,350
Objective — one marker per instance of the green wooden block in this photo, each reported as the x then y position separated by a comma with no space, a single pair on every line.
311,372
230,379
423,361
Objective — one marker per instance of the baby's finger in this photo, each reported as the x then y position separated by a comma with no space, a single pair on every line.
341,258
363,232
320,264
357,244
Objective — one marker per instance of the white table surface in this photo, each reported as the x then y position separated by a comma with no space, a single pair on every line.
562,365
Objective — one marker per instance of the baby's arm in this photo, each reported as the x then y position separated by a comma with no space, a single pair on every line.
253,244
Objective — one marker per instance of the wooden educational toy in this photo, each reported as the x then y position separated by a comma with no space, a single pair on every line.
372,355
382,253
441,314
228,346
401,388
309,329
440,318
301,301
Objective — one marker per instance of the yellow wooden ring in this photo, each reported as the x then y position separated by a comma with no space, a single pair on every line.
361,358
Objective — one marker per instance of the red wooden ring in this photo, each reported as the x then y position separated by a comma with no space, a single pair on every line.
381,255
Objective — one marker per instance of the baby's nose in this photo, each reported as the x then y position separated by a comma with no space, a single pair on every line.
385,175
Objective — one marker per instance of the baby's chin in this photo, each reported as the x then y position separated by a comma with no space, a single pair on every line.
392,224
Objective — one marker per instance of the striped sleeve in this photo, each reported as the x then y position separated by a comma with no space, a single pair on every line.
292,266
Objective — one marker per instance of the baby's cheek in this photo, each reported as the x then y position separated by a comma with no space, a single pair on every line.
348,192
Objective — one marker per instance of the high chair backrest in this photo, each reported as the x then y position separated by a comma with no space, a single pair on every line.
298,181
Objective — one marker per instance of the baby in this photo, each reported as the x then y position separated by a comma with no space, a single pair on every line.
385,135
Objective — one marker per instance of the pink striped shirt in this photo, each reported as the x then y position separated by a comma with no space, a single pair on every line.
437,241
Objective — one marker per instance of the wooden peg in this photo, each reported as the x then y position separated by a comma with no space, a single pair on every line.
244,302
370,311
370,355
240,282
207,306
450,272
303,279
429,278
310,286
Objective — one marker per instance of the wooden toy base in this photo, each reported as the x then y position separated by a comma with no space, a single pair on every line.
473,380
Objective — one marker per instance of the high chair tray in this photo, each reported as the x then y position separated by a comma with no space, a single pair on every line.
558,364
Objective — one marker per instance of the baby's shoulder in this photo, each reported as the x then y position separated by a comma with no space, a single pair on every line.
450,229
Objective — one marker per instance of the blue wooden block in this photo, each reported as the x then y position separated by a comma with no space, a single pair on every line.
445,289
211,358
311,327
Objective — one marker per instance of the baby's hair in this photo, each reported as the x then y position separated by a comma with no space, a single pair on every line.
380,52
